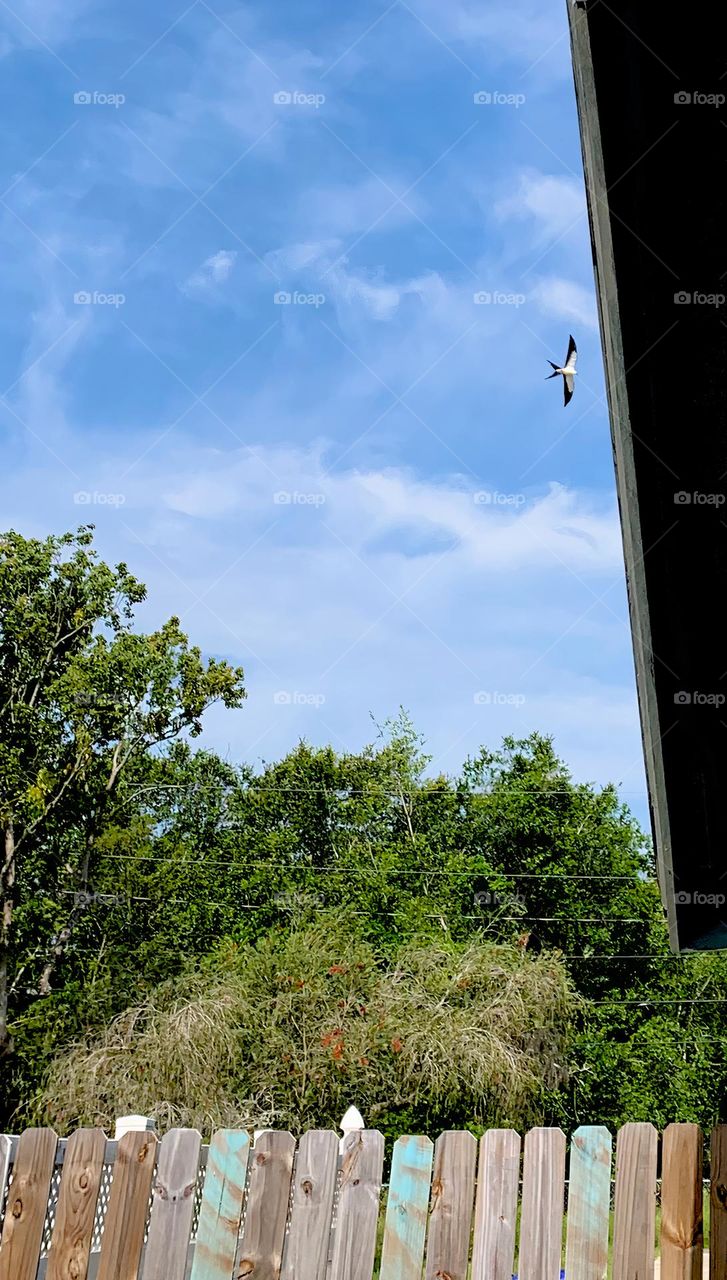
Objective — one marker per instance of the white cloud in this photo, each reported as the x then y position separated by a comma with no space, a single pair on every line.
372,587
567,301
213,271
526,30
339,209
553,203
38,22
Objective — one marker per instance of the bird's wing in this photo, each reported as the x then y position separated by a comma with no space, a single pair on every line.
570,360
567,387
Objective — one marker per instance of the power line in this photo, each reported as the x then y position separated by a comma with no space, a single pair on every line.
334,868
114,899
343,791
664,1000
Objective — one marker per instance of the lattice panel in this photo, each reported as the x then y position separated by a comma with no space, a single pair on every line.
50,1214
102,1205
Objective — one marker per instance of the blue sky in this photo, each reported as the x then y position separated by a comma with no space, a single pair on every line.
278,294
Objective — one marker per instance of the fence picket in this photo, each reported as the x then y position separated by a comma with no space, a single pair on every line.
314,1186
718,1203
541,1225
589,1198
635,1206
25,1212
498,1176
354,1245
218,1229
123,1233
165,1257
73,1231
290,1235
261,1248
450,1214
406,1210
5,1149
682,1236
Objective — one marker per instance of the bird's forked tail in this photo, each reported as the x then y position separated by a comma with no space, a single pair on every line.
553,366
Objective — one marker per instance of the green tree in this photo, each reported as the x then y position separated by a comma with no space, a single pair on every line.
293,1030
88,707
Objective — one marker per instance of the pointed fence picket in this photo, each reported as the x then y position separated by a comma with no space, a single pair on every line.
90,1208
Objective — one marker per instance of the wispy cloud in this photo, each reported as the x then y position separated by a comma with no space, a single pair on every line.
213,272
300,407
551,203
566,300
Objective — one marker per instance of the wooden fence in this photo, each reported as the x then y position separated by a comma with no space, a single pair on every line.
140,1209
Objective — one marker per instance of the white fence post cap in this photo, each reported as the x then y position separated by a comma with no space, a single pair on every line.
352,1121
133,1124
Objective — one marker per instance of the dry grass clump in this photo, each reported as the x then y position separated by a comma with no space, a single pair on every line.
290,1033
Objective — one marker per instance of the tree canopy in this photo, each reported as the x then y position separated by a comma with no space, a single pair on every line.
183,935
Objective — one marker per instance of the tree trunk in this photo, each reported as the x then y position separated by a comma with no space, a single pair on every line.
7,898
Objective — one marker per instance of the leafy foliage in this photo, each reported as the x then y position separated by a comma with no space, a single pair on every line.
88,705
288,1032
145,881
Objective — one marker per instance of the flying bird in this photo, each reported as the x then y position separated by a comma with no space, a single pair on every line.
568,370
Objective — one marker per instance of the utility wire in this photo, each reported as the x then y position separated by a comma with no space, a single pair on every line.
337,868
112,899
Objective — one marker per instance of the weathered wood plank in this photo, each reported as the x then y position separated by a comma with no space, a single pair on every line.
406,1209
71,1240
498,1176
5,1148
165,1257
718,1203
682,1232
635,1206
221,1209
354,1247
541,1224
450,1209
261,1248
27,1204
589,1200
123,1233
305,1256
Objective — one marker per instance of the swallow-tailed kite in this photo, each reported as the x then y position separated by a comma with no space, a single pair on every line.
568,371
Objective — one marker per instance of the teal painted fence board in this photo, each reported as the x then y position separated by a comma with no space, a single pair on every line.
221,1208
589,1193
406,1210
